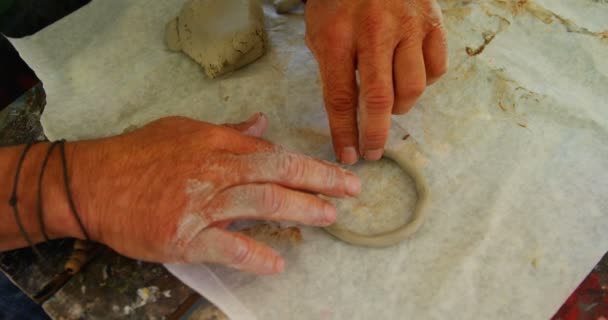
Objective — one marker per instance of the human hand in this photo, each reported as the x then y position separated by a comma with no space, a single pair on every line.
166,192
398,47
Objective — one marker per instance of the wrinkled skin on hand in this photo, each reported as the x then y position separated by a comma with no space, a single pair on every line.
397,46
166,192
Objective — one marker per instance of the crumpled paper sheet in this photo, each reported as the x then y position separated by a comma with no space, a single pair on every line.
514,138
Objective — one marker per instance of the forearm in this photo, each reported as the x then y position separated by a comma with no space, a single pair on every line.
56,212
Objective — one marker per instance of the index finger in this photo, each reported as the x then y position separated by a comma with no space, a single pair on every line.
375,64
337,68
297,171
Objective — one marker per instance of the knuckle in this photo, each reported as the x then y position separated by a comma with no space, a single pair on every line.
407,22
411,28
434,16
243,254
412,90
273,200
372,24
435,24
338,34
215,168
376,138
373,43
341,100
216,135
292,168
330,176
378,99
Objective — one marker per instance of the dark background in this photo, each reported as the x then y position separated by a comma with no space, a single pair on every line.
23,18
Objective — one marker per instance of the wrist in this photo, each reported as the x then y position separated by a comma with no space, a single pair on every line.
84,169
72,200
55,203
56,219
27,198
57,216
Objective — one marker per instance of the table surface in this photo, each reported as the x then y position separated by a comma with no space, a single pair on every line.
114,287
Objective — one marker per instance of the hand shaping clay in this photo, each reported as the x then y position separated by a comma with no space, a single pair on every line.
221,35
394,235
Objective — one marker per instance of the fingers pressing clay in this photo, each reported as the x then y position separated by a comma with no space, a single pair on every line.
271,202
221,36
376,98
340,96
299,172
392,237
215,245
337,66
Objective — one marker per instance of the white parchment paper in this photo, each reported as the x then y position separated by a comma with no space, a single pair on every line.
514,140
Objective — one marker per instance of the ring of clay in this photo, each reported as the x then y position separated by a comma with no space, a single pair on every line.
391,237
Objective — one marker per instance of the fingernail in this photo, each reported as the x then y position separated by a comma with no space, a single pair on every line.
349,155
329,215
373,155
353,184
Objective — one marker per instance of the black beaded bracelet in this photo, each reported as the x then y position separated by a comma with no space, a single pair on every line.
13,202
68,190
39,211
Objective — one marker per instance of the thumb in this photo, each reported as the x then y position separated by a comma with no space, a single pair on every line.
255,126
